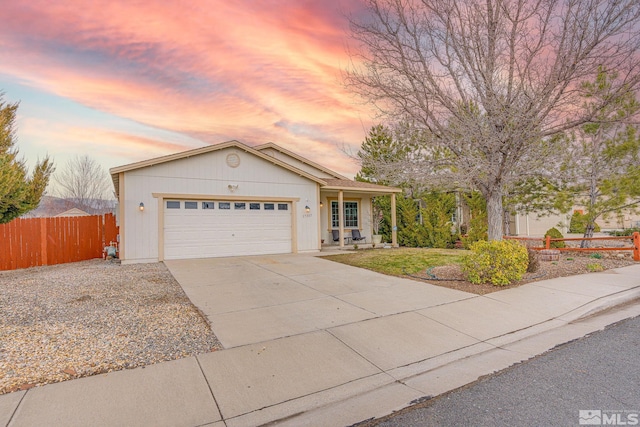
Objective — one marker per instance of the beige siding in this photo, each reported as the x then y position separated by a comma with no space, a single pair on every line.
533,225
209,174
613,221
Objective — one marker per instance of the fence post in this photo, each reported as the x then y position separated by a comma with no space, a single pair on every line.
636,246
548,242
43,242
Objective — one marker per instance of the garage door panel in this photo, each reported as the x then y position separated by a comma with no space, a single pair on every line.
201,233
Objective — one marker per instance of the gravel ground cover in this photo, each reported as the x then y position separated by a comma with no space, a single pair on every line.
74,320
569,264
80,319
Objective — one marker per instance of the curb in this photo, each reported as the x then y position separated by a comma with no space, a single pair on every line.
601,304
448,372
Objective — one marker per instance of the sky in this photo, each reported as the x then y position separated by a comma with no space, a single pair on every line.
128,80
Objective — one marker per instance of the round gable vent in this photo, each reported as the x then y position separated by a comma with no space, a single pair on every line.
233,160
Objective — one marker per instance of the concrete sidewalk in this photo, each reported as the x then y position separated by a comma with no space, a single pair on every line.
309,346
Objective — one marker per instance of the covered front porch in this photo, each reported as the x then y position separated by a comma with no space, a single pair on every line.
346,211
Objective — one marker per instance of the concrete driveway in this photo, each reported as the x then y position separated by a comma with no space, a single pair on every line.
316,343
254,299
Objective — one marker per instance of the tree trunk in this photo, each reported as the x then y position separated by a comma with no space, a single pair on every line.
588,232
591,221
507,222
494,214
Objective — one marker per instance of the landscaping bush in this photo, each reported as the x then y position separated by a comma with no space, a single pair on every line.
554,233
437,219
428,227
478,225
625,232
477,231
593,268
496,262
410,232
579,224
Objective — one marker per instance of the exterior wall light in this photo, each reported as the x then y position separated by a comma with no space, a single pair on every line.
141,207
321,205
307,209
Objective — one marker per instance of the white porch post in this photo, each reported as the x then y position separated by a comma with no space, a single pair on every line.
341,216
394,227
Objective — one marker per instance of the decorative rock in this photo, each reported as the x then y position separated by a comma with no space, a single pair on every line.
73,320
70,371
549,255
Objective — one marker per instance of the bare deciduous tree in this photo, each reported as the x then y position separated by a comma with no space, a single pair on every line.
490,82
85,182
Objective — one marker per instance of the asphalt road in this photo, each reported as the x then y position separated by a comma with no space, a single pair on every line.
600,372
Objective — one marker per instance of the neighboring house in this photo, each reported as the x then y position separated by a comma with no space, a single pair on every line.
230,199
531,224
49,207
73,212
55,206
523,224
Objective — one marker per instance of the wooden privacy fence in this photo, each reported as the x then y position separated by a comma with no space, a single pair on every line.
635,239
31,242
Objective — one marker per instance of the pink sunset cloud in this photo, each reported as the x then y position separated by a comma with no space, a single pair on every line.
212,70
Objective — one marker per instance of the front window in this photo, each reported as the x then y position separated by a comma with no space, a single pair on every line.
350,214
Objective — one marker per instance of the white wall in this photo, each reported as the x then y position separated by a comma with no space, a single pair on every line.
208,174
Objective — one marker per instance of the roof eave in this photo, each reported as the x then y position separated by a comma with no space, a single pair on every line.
300,159
115,171
386,190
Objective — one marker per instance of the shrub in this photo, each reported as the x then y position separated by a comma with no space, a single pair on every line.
625,232
478,225
595,267
595,255
437,219
579,224
496,262
428,227
477,231
534,262
554,233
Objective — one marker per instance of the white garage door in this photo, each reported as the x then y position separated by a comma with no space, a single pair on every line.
204,229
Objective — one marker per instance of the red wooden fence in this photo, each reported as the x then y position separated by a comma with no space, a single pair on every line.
32,242
635,239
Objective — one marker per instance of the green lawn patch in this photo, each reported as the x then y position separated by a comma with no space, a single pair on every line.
392,261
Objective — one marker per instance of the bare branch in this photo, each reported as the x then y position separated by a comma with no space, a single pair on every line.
86,183
491,82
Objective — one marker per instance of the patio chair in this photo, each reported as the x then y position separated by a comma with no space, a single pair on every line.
356,237
336,235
